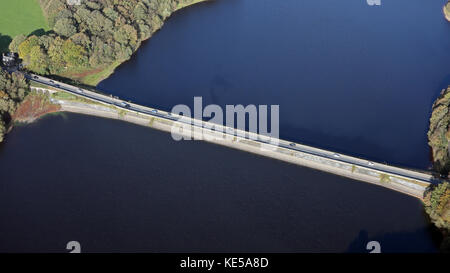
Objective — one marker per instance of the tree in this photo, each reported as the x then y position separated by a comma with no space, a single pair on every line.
38,60
126,35
14,45
13,89
140,12
2,129
26,46
65,27
57,62
74,55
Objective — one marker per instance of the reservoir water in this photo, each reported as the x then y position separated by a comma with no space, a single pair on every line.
114,186
350,77
347,76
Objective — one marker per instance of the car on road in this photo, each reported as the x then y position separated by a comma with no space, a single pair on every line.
370,164
35,77
336,155
154,111
79,90
292,144
124,104
52,81
57,85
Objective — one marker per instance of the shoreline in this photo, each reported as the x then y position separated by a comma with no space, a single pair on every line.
95,78
182,6
446,11
410,182
397,183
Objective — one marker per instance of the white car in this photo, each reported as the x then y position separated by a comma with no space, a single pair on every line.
336,155
370,164
124,104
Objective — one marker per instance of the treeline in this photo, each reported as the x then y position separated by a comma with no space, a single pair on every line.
437,205
437,199
93,34
13,89
439,133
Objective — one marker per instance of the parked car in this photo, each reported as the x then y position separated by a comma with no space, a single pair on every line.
292,144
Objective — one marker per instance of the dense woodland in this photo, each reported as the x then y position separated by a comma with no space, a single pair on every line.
437,201
439,132
93,34
13,89
437,205
84,37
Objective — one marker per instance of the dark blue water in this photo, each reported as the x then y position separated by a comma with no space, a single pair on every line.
117,187
347,76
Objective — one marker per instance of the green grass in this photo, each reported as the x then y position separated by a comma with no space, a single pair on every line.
96,78
180,6
384,178
61,95
19,17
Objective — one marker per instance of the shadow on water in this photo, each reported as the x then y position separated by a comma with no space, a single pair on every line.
219,85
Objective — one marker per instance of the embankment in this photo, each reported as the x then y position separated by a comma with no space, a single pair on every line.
34,106
312,159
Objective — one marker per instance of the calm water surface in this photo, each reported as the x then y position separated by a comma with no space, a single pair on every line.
348,77
114,186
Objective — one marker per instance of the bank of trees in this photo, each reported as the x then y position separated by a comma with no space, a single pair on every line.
83,37
13,89
439,133
93,34
437,205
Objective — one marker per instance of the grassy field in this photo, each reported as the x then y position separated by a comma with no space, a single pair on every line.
19,17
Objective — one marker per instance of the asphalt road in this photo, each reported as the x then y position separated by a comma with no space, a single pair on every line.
232,132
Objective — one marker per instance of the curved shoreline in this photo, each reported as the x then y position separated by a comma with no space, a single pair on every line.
446,11
108,70
92,103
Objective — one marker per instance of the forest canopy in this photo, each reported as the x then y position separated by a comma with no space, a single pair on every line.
92,35
13,89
